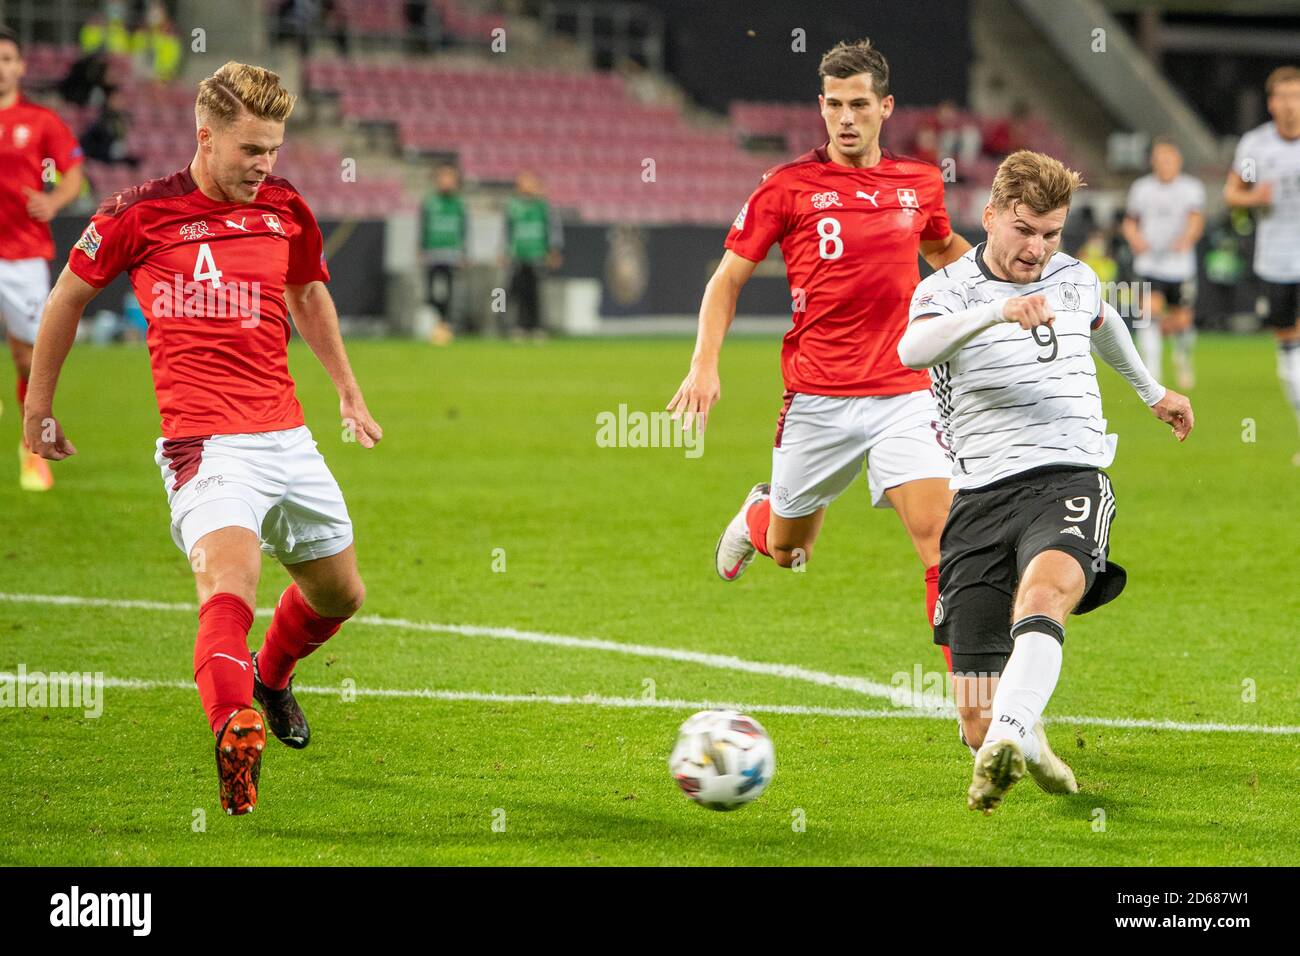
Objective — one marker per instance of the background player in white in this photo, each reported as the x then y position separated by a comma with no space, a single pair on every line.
1265,176
1164,219
850,219
1007,333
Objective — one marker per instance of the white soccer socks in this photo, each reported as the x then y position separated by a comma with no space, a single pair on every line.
1151,342
1027,682
1288,370
1183,342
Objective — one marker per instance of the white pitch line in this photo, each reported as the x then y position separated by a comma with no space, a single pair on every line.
721,661
488,697
637,703
728,662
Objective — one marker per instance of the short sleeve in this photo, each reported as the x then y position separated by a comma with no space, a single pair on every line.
936,295
306,247
762,221
60,145
1196,196
108,246
1133,205
938,226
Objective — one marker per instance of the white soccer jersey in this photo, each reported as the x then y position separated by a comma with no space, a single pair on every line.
1162,210
1013,400
1263,156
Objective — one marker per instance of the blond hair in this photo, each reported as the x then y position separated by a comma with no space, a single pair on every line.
237,87
1039,181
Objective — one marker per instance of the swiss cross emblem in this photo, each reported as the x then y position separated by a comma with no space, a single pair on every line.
907,199
272,222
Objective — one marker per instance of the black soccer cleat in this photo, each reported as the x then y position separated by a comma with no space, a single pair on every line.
283,715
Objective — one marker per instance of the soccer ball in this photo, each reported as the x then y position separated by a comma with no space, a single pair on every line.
722,759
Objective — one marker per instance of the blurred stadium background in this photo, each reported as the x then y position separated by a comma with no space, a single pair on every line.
647,125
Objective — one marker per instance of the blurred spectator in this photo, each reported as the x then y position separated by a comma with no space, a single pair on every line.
533,243
87,81
1095,253
1009,134
443,233
926,144
301,21
105,138
106,32
295,21
958,136
155,46
422,26
335,25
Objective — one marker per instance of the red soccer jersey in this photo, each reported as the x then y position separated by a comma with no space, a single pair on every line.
850,238
29,135
210,277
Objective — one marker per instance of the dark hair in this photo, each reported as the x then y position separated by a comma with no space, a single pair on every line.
847,59
12,36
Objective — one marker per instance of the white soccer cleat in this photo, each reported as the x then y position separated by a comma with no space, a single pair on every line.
734,551
1050,772
998,766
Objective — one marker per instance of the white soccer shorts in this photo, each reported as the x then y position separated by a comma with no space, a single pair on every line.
275,484
821,441
24,287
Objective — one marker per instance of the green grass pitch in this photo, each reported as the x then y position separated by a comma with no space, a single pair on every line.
490,456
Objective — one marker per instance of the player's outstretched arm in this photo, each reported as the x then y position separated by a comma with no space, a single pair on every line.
931,340
58,330
702,388
1112,342
317,321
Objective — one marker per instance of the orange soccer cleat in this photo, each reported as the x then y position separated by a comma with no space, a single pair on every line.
239,760
34,471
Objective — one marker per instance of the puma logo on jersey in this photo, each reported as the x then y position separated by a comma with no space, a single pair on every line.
872,198
1074,531
238,225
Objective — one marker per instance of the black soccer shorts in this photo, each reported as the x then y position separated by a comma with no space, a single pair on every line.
992,534
1176,293
1283,304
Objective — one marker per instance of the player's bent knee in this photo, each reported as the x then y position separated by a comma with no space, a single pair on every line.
239,583
343,603
355,598
794,557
